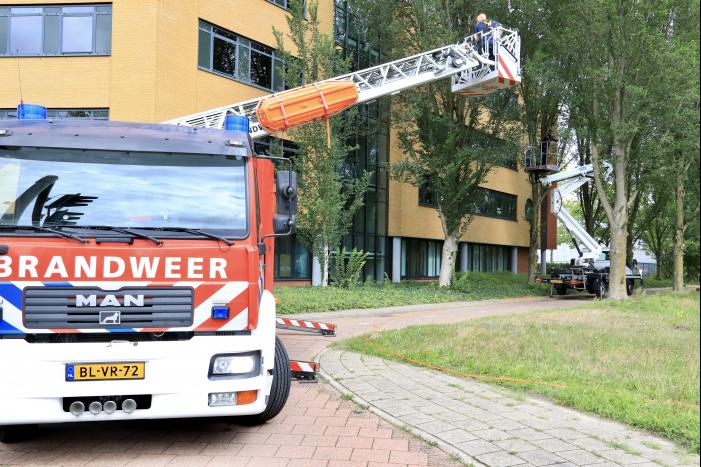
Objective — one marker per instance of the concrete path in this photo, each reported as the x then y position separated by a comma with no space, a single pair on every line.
486,425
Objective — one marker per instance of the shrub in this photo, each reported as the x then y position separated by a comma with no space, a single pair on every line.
349,267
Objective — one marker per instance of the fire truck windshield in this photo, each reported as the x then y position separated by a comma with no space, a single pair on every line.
66,188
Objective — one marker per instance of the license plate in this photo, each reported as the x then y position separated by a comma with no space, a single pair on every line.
104,371
556,281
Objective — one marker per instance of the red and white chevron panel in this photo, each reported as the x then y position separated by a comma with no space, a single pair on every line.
302,370
326,329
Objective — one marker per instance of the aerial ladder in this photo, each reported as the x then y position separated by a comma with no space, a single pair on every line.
478,65
590,271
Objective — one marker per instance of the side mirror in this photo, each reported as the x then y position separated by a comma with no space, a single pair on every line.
286,192
286,202
284,224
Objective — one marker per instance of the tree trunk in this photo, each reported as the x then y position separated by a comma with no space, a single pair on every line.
678,243
450,250
325,258
619,230
534,233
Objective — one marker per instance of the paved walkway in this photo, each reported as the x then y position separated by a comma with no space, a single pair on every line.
483,424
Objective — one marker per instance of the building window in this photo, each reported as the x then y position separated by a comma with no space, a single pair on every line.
420,258
285,3
489,258
227,54
427,197
62,114
292,259
493,203
55,30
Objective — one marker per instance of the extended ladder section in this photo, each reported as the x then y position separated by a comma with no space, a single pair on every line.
569,181
477,64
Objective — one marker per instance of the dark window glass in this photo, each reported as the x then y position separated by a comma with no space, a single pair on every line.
495,204
224,56
427,197
420,258
489,258
292,259
52,37
261,69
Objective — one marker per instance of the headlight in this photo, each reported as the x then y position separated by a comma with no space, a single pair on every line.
235,365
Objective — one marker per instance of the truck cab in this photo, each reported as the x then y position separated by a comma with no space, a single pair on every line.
136,274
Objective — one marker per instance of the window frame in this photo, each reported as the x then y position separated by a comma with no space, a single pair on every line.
240,42
6,11
11,114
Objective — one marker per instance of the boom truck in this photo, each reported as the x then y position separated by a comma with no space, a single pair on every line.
590,271
136,260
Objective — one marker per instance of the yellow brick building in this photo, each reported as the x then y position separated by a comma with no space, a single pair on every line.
153,60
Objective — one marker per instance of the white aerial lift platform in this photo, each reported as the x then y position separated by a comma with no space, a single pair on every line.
590,271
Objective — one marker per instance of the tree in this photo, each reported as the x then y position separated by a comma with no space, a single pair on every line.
327,200
613,70
451,143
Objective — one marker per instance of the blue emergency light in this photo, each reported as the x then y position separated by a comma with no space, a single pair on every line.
220,311
236,123
31,112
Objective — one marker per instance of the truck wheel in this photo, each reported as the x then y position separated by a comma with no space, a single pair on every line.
280,390
630,287
601,289
561,290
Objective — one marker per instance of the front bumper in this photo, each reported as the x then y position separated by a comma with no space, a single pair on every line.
33,382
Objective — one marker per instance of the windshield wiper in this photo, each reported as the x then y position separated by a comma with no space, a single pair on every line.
37,228
124,230
197,232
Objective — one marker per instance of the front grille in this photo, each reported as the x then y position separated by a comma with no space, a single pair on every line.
94,308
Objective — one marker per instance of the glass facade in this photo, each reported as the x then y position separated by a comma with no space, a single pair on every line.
60,114
55,30
421,259
489,258
225,53
369,230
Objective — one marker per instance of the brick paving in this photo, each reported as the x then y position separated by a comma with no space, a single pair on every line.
316,428
487,425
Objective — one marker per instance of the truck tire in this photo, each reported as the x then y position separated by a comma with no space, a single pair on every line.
280,390
630,287
600,289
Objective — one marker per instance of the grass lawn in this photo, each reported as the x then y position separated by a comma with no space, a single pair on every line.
635,361
467,286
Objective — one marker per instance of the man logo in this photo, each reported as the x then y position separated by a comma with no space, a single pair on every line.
110,317
109,300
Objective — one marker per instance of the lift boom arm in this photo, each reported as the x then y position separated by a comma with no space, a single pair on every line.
468,62
569,181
